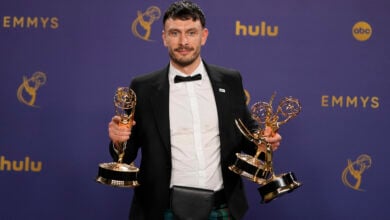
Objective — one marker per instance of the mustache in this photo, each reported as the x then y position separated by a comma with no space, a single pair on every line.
184,48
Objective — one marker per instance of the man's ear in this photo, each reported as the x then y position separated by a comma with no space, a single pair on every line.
163,38
205,34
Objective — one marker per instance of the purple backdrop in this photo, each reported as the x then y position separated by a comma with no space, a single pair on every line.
61,62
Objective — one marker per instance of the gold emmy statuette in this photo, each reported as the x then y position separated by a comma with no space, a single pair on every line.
259,171
120,174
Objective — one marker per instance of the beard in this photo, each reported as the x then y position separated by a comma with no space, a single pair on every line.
184,61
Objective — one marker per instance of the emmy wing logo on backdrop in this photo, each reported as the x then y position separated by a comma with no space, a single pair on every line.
27,91
142,25
352,174
361,31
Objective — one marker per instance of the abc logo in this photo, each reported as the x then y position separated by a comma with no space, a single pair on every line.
362,31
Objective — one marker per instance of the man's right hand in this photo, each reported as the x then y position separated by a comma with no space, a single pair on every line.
118,132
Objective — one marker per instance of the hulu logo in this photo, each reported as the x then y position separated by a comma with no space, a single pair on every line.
262,30
25,165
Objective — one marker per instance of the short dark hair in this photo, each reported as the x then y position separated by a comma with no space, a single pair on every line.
185,10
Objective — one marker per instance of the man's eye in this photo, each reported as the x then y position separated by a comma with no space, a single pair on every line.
173,34
192,33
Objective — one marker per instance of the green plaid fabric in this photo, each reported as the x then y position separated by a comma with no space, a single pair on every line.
220,213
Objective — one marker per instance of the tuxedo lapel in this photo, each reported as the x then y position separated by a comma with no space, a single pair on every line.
221,94
160,104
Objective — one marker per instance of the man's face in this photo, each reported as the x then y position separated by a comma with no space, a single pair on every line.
184,39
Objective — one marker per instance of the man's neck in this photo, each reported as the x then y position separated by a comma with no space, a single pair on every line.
189,69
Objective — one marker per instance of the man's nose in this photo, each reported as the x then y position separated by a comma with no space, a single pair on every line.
183,38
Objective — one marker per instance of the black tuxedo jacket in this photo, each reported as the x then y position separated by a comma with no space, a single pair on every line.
151,135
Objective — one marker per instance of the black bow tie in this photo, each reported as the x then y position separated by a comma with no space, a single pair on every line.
187,78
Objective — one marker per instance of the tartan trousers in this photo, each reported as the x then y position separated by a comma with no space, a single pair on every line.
219,213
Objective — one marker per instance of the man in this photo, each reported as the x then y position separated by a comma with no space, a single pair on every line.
185,129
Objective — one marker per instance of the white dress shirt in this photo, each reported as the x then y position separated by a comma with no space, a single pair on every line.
195,143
